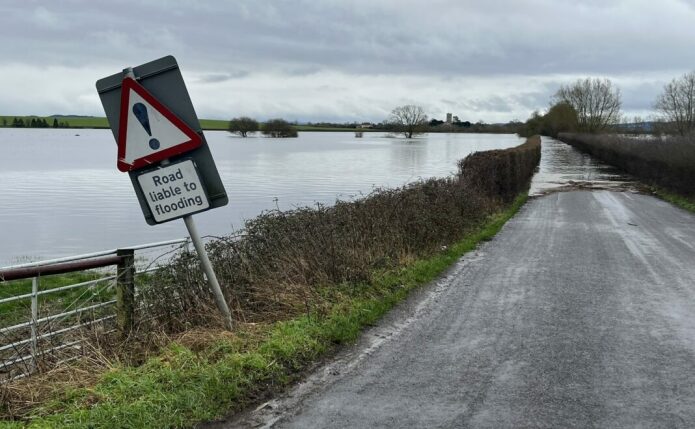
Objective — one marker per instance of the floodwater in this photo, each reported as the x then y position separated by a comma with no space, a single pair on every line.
62,195
563,166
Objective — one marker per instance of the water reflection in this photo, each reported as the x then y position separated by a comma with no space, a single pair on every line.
61,193
562,165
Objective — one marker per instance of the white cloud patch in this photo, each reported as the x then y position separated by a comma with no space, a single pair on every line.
43,18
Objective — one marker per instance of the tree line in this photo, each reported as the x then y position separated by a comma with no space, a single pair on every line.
33,123
409,120
592,105
272,128
589,105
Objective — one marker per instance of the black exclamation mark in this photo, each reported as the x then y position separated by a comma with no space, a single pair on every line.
140,112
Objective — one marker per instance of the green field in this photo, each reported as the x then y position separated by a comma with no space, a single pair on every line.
18,311
72,121
99,122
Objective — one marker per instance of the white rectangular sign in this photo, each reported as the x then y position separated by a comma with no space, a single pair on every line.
173,191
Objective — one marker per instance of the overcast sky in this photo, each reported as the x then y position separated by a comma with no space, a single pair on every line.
343,60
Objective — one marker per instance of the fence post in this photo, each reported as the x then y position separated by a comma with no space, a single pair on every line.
34,318
125,291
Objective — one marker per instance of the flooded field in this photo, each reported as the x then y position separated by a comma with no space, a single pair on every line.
62,195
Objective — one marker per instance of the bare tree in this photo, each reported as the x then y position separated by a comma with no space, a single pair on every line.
677,103
596,101
243,126
408,119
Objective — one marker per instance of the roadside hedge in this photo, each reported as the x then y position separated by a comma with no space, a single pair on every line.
667,162
501,173
279,264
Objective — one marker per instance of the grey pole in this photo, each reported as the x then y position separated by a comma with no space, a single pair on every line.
209,272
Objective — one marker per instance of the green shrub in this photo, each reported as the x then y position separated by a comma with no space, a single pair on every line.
278,128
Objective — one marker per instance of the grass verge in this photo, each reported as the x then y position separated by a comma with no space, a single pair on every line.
17,311
682,201
194,381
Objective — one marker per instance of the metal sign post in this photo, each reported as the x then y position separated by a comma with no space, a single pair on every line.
209,272
162,147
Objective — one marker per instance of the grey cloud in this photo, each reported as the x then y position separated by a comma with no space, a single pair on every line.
222,77
640,97
545,40
489,104
407,37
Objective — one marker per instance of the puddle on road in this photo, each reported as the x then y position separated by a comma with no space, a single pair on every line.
564,168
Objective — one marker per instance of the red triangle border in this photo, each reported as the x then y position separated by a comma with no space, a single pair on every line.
195,139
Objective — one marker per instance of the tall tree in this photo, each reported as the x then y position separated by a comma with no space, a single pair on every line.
677,103
596,101
408,120
243,125
561,117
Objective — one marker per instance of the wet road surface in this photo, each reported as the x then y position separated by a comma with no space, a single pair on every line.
579,313
564,168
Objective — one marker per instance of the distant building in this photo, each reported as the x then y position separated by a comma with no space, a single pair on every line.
456,119
448,118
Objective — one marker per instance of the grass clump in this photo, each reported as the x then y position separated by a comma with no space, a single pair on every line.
684,202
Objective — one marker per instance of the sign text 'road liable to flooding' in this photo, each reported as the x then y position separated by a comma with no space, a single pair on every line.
173,191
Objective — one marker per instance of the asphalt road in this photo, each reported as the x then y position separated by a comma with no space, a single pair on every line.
580,313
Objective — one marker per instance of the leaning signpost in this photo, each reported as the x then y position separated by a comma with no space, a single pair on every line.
162,147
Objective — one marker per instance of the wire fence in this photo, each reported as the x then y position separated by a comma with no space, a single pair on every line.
46,307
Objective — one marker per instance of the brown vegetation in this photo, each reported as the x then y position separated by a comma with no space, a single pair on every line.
276,266
677,104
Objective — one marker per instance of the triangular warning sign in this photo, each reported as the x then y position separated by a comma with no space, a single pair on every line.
149,132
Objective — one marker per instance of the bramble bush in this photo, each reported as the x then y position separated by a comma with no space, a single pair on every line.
283,262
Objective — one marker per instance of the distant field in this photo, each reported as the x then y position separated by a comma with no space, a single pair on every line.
313,128
213,124
73,121
97,122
